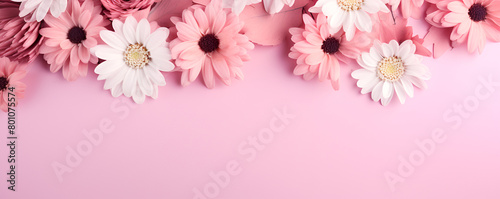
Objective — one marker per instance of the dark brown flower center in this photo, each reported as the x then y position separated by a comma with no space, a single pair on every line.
209,43
3,83
76,35
477,12
331,45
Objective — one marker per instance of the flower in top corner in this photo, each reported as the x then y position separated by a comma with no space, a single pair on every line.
349,14
68,39
319,51
134,56
20,39
11,73
472,21
121,9
38,9
209,41
391,69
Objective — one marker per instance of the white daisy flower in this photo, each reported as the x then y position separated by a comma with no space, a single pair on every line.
39,8
237,6
275,6
349,14
134,57
391,68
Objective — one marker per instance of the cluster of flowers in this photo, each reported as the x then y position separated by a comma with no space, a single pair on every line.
134,41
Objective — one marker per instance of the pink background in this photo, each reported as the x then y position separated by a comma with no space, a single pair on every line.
339,145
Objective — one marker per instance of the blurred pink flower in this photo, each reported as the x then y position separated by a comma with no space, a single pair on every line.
11,74
387,28
70,37
121,9
409,8
209,40
472,21
20,40
318,50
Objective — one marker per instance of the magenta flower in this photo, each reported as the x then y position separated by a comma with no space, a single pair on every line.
70,37
318,49
209,41
20,39
121,9
11,74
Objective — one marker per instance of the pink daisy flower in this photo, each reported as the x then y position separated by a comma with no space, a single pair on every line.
20,39
318,50
11,74
209,41
472,21
70,37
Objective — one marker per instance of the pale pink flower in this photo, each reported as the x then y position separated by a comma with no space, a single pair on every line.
70,37
472,21
209,41
408,7
318,50
121,9
11,74
20,40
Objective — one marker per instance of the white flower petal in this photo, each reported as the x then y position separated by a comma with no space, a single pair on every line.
129,82
143,31
387,89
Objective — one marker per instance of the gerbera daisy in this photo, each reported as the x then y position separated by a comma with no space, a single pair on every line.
391,68
473,21
11,74
209,40
134,56
349,14
70,37
318,50
37,9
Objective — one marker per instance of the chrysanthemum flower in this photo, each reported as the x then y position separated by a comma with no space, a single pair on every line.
473,21
209,40
134,56
349,14
70,37
408,7
121,9
318,50
20,40
11,74
37,9
390,69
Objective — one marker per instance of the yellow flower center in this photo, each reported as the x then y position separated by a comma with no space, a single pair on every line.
349,5
390,69
137,56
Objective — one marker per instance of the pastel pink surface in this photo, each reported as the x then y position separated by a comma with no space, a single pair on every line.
339,145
